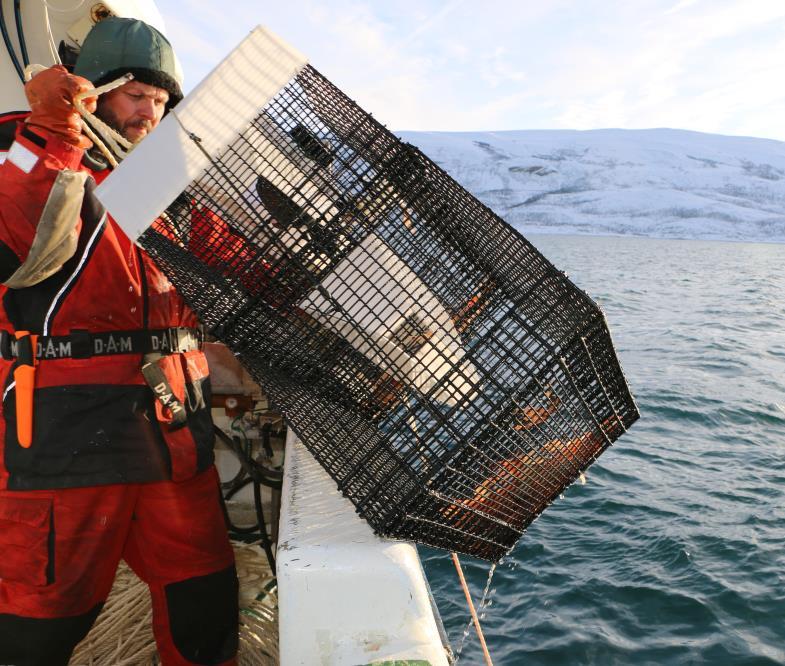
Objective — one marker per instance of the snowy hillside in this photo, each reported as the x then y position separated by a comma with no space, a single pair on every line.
663,183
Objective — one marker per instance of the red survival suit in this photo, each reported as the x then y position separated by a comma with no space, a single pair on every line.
111,472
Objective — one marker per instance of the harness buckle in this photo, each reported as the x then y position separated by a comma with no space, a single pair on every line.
184,339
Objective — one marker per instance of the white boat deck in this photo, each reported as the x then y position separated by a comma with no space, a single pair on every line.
346,596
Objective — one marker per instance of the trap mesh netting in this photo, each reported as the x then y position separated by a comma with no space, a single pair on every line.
444,373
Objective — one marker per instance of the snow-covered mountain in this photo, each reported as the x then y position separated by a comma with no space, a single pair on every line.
663,183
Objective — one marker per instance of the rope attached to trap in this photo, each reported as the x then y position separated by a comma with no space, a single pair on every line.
472,610
113,146
98,131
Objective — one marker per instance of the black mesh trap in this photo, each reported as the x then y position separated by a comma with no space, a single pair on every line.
443,372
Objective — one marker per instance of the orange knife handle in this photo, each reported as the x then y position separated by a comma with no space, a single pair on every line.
24,376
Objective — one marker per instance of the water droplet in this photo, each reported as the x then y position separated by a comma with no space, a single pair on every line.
130,288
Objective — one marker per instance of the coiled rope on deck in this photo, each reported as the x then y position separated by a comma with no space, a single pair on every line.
123,636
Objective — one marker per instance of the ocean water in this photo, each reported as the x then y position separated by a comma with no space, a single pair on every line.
674,550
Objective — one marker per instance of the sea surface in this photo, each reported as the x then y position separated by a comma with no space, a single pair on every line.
674,550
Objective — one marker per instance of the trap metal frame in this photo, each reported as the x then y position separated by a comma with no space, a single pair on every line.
446,375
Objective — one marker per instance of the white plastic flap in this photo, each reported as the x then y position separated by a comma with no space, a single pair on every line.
220,107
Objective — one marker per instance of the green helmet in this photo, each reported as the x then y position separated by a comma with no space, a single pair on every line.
116,46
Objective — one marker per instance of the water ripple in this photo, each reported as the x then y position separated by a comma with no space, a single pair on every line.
673,552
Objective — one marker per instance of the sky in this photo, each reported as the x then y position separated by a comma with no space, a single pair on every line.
461,65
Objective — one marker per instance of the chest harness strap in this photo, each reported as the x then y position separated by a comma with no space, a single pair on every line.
82,344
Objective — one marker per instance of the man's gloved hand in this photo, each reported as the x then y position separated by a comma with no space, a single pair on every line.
51,96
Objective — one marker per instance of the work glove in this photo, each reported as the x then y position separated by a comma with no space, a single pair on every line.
51,96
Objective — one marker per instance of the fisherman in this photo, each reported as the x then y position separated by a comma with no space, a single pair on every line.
101,461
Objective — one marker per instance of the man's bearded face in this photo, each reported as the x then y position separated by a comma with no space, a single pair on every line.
134,109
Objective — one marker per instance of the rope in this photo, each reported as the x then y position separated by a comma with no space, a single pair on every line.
118,144
122,635
97,130
52,45
472,610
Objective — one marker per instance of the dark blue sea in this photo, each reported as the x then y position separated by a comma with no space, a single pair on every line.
674,550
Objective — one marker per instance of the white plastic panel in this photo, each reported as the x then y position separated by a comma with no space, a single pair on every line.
378,294
220,107
346,597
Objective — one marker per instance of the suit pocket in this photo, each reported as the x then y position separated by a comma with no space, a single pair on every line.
26,540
